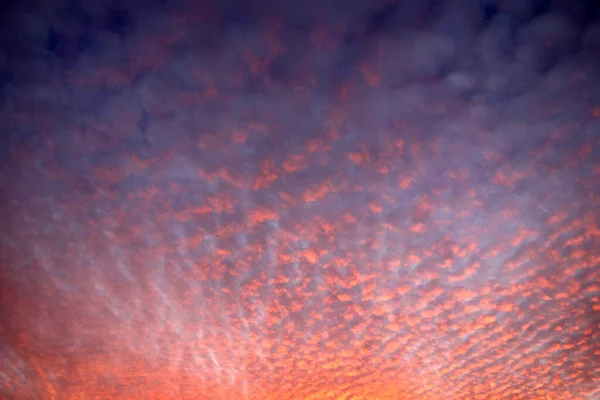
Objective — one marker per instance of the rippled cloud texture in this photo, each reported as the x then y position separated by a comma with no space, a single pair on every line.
313,200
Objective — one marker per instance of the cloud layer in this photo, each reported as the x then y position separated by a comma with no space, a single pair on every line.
339,200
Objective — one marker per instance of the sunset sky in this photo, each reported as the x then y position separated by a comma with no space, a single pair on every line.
327,200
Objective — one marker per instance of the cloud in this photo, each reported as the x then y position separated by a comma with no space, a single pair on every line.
352,198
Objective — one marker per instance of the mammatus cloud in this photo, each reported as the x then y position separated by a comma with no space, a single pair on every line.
332,200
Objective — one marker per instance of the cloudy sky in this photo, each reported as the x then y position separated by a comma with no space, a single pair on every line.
219,199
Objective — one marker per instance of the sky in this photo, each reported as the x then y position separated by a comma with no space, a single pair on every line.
220,199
